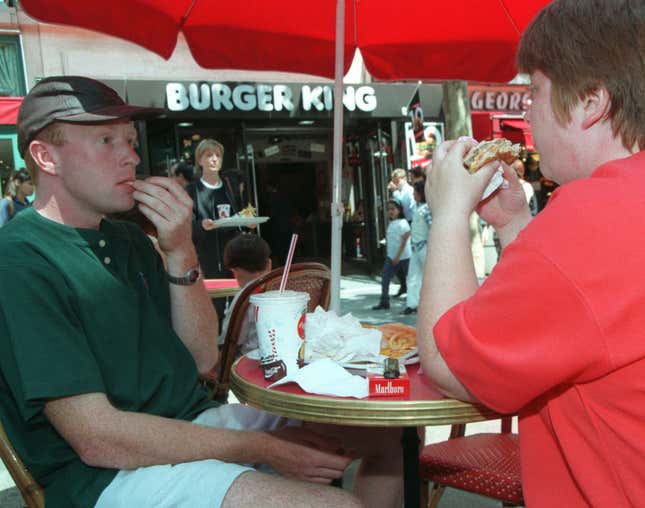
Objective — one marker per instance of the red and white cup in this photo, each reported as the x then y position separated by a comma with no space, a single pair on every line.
280,321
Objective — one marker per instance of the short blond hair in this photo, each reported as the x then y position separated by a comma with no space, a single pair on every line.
208,144
399,173
52,134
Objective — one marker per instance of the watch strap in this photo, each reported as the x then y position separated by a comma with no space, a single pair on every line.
187,279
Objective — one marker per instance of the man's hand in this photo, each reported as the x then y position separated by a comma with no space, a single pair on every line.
508,203
209,224
169,208
450,189
299,453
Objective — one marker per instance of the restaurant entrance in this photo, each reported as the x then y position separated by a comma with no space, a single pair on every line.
281,133
287,193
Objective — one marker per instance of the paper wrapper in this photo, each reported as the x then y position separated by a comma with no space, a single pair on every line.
496,180
341,339
326,377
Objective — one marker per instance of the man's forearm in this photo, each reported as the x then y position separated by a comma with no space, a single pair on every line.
127,440
193,315
449,277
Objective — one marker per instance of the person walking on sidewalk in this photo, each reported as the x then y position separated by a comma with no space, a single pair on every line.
398,250
421,221
401,191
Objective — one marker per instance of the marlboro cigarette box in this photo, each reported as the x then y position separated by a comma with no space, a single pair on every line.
380,386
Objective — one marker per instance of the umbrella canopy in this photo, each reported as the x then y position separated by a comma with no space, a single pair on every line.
399,39
402,39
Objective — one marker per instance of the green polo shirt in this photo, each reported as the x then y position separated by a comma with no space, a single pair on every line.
82,311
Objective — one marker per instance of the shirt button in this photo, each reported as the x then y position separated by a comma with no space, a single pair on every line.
107,260
102,243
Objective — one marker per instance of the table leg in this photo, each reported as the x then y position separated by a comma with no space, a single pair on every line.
411,489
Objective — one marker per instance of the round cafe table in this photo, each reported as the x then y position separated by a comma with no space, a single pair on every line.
424,406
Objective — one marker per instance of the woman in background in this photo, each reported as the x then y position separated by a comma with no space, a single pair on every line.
398,250
214,197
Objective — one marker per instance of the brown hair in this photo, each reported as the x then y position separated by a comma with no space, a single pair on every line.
247,251
208,144
52,134
585,45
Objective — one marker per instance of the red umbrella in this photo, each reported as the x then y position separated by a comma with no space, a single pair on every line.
399,39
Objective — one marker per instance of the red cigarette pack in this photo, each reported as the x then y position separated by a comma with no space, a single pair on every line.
380,386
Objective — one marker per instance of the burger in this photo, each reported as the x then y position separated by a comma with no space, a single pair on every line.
489,151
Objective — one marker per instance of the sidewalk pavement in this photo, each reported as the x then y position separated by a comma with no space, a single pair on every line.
358,293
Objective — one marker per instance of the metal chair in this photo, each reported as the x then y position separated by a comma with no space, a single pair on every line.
486,464
313,278
31,492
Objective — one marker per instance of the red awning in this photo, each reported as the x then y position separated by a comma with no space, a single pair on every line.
493,124
482,125
9,110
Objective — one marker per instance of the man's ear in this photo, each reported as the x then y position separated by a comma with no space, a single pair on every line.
44,156
269,265
595,106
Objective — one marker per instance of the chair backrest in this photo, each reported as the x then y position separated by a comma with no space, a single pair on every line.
313,278
31,492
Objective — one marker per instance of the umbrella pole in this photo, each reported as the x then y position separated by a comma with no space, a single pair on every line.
337,208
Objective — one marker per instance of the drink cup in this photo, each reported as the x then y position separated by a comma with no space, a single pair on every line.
280,322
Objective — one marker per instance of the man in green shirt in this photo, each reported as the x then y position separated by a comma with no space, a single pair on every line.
100,346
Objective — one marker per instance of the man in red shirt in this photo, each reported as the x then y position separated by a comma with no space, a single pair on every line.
556,332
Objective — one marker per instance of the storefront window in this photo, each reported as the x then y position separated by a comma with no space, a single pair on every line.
12,76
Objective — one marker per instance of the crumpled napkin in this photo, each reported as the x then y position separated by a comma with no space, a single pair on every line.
496,180
341,338
326,377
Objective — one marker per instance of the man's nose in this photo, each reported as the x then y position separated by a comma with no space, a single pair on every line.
131,156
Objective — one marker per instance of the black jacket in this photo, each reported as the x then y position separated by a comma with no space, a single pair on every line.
210,244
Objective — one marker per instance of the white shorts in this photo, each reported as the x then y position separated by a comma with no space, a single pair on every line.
198,484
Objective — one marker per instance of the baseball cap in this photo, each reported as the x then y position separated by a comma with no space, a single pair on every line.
72,99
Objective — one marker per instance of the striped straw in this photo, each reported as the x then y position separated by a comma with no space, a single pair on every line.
287,265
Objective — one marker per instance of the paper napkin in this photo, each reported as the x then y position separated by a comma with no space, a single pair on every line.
326,377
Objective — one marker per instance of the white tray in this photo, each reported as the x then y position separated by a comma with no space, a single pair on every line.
235,222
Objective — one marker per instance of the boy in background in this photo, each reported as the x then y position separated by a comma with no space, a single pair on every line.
248,256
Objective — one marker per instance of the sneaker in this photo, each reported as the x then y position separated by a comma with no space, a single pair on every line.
381,306
409,310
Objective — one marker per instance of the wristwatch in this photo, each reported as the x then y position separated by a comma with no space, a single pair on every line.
187,279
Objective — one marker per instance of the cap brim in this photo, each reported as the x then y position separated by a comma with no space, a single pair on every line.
112,113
